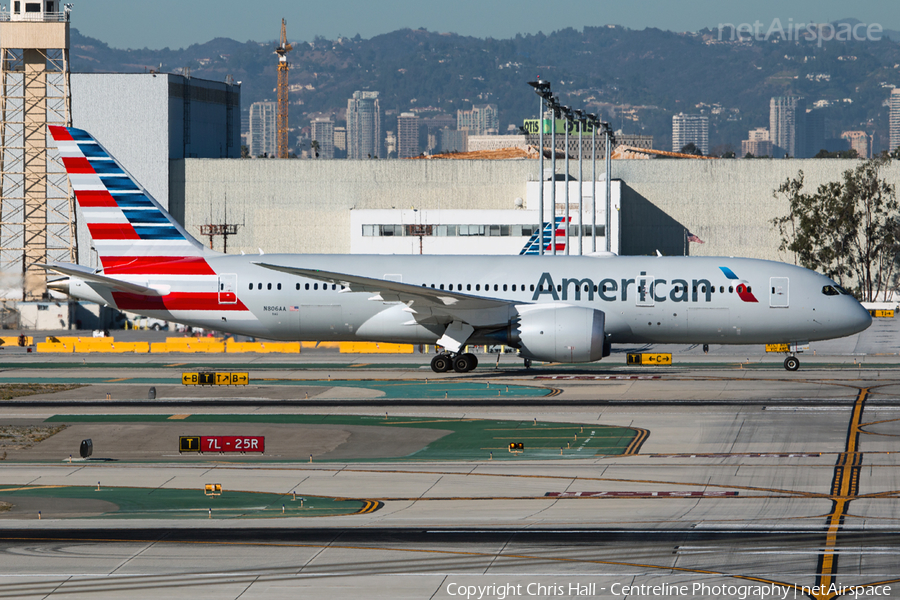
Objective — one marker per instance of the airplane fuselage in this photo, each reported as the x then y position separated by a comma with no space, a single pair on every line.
645,299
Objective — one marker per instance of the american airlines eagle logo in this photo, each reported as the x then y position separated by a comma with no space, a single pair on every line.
741,288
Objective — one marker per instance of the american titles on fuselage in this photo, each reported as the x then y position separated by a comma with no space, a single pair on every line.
646,289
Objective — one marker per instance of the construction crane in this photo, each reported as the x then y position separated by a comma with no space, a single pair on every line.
281,124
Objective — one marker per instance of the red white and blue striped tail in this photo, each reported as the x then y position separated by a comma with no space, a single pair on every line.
132,232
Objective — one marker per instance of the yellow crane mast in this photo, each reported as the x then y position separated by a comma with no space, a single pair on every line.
281,125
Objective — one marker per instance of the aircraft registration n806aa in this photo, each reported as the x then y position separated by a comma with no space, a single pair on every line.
552,308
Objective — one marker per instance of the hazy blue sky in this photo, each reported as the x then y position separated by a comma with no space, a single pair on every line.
179,23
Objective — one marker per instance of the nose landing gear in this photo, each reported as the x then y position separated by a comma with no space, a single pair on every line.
461,363
792,363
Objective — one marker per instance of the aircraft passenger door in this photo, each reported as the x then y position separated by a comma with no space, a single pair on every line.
227,288
644,295
779,296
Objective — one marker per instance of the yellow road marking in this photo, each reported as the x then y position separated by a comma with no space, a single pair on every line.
845,486
178,417
635,446
119,379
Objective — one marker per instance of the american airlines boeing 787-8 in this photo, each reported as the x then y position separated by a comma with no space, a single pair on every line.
552,308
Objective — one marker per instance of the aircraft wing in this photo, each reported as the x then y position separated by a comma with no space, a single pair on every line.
395,291
88,275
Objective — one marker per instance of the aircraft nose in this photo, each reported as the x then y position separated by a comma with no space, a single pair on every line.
858,318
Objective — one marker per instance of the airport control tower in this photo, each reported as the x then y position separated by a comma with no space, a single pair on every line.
37,213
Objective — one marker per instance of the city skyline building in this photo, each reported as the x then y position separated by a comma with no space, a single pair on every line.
364,136
408,135
757,143
483,119
340,142
321,130
787,126
262,129
894,135
859,141
814,133
690,129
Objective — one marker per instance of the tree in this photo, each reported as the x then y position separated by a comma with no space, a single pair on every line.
839,154
691,148
849,230
314,146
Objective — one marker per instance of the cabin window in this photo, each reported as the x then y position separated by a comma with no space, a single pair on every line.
251,286
432,286
315,286
730,289
721,289
442,286
451,287
496,287
279,286
532,287
259,286
514,287
468,287
504,287
477,287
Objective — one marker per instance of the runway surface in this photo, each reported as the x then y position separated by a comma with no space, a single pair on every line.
736,474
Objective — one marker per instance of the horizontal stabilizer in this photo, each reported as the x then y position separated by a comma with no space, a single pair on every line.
88,275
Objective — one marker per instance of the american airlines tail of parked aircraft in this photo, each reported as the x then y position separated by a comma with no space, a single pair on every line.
552,308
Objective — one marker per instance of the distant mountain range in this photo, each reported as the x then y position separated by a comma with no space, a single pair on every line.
635,79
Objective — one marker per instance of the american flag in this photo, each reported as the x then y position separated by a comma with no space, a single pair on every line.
693,238
294,308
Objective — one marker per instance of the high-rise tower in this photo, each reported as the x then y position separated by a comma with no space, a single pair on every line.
894,133
364,126
37,212
787,126
690,129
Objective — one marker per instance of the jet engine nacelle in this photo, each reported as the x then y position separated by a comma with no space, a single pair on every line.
569,334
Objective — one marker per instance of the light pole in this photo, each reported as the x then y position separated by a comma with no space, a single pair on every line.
542,89
593,120
567,113
554,106
608,131
579,118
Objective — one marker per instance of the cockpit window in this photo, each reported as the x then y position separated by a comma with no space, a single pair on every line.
843,291
831,290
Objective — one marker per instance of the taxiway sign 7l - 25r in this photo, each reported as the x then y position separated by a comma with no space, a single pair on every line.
552,308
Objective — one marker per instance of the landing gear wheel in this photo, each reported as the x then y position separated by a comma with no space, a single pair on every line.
440,363
527,363
473,360
462,364
792,363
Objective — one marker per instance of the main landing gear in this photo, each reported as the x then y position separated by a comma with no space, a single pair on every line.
792,363
461,363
